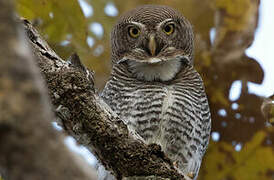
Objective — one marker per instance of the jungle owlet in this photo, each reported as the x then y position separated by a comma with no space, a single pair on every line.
154,86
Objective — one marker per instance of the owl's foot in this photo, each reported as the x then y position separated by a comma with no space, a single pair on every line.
175,164
191,175
188,176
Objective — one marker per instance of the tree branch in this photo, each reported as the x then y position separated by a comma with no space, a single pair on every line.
91,122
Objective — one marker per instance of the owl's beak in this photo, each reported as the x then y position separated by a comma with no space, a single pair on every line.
152,44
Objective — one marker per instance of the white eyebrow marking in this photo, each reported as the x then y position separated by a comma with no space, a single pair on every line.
137,24
163,22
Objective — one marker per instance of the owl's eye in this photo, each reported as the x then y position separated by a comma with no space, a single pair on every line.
169,29
134,32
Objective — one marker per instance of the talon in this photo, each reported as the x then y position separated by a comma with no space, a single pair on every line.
190,175
175,164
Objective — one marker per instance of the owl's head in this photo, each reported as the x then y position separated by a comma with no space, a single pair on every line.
153,41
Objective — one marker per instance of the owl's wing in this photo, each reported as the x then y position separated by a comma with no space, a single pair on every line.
188,124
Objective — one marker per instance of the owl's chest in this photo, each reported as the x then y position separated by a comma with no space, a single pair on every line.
146,109
148,101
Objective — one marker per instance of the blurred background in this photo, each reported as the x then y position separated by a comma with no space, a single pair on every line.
233,54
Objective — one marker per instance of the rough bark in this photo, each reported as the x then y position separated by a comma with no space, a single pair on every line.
30,149
91,122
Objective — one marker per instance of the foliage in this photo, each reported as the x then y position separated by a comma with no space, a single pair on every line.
245,148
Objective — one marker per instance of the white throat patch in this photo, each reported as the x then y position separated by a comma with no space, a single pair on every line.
163,71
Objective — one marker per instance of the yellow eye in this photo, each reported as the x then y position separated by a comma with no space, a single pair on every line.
169,29
134,32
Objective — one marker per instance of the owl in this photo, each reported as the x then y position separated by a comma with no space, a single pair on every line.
154,87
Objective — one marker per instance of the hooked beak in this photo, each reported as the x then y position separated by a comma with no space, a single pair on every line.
152,44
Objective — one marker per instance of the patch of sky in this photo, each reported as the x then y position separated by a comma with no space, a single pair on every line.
235,90
81,150
222,112
86,8
212,34
56,126
111,10
234,106
97,29
90,41
215,136
262,49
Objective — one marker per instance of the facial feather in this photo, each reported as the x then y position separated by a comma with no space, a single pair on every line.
163,71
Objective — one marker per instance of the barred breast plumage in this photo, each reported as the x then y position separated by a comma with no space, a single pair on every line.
154,86
164,113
